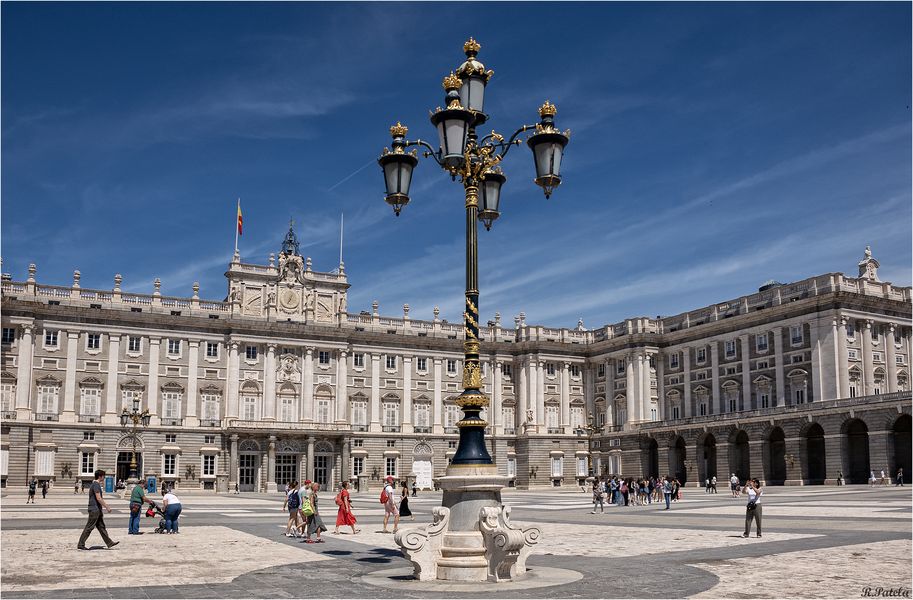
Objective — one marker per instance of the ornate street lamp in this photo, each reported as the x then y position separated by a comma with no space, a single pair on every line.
588,430
133,420
475,161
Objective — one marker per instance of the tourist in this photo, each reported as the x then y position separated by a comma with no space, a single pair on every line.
96,521
598,497
171,505
734,486
33,487
76,487
753,508
404,510
883,480
315,524
713,485
707,486
667,491
613,490
44,490
292,504
676,490
137,498
344,515
899,480
390,507
414,489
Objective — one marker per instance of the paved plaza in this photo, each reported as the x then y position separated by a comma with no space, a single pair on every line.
824,542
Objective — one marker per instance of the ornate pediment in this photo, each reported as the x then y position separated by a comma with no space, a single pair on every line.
288,371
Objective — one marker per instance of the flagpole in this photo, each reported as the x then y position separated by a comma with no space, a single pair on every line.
341,220
236,226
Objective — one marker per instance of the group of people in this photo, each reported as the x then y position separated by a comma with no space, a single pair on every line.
884,480
631,491
33,489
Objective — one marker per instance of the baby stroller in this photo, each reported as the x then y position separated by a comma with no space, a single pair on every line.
153,511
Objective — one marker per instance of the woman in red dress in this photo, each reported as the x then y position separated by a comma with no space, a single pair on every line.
344,516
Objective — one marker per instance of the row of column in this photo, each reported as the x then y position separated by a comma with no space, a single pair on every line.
531,393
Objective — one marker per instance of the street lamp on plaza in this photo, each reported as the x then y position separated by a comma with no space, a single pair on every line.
588,430
461,153
133,420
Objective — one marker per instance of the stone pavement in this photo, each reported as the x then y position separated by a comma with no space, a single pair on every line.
818,543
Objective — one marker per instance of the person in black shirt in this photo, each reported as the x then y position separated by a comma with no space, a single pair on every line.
96,504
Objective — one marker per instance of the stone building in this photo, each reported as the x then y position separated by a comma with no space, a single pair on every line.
794,384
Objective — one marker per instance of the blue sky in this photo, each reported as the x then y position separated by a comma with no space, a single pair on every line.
714,147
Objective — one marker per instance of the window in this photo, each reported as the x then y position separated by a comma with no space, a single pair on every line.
451,365
795,334
702,409
511,467
50,339
390,469
581,466
451,415
9,335
575,371
212,350
323,357
507,416
127,396
731,404
391,362
675,413
451,444
673,361
209,465
898,359
730,348
796,358
701,355
171,438
654,416
7,396
87,464
852,390
557,466
171,405
876,356
619,367
550,369
760,342
731,370
134,343
850,329
800,396
358,360
391,414
391,443
852,353
701,376
551,416
358,443
358,465
249,408
674,380
287,409
88,435
93,341
765,400
762,364
44,462
600,370
622,416
875,333
47,398
209,439
251,353
323,410
423,415
506,370
421,364
577,419
170,465
210,407
174,347
359,413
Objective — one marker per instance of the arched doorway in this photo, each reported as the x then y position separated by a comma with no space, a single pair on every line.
740,460
288,454
248,466
856,451
324,463
776,457
815,457
422,465
677,454
652,459
124,454
900,436
707,467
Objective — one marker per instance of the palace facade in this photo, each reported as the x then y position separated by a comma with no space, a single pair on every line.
797,384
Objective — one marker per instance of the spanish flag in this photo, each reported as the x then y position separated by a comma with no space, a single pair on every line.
240,219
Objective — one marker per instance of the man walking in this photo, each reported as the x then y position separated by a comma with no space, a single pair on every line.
899,480
44,490
33,487
96,521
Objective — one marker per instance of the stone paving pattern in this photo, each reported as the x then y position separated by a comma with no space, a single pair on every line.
821,542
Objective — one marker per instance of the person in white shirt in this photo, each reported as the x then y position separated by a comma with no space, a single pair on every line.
753,509
391,506
734,486
171,505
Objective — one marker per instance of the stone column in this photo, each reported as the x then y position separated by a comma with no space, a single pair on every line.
271,468
406,417
565,422
646,391
496,416
843,361
344,466
375,392
152,390
193,361
522,398
816,380
69,390
233,464
24,373
891,357
269,385
110,413
661,386
716,404
609,393
310,463
868,369
438,427
540,393
780,398
686,363
747,402
232,383
342,385
307,404
630,389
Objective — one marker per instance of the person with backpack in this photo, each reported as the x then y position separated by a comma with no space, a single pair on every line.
344,515
390,506
33,487
292,504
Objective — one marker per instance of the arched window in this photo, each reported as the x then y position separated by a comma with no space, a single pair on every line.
287,403
855,382
250,401
323,398
798,384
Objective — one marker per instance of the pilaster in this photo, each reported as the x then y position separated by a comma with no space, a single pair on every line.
780,399
69,389
193,361
438,426
891,357
716,403
110,414
868,368
406,417
269,384
747,401
24,373
686,363
342,385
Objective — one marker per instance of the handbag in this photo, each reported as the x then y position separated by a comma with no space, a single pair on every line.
751,505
